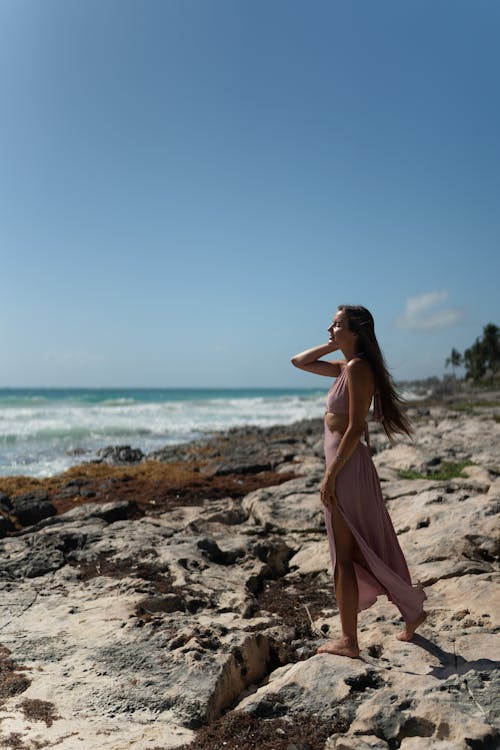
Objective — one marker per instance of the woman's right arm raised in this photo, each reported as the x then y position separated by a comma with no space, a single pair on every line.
310,360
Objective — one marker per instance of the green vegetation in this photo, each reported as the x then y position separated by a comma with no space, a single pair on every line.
482,359
410,474
455,360
446,470
470,407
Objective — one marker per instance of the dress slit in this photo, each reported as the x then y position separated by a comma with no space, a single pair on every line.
361,505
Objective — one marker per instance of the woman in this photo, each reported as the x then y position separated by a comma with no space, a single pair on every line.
366,557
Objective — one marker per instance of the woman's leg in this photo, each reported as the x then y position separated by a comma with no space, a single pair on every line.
346,588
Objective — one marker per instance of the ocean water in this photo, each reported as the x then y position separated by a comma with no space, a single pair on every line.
45,431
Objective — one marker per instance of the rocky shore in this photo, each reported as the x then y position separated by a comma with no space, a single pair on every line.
176,600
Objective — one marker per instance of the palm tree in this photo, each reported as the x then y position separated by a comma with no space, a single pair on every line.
491,345
455,360
483,356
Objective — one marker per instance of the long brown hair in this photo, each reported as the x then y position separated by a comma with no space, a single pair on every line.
361,323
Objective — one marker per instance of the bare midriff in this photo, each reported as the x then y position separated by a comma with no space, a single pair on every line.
337,422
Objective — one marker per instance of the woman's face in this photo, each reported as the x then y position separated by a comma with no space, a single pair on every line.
340,332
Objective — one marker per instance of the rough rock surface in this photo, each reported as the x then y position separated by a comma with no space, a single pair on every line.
130,624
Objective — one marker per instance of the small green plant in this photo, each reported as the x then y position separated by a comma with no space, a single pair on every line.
410,474
463,406
446,470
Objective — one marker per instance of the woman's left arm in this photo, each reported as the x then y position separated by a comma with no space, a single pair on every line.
360,386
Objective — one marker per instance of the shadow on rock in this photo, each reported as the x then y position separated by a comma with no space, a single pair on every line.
453,663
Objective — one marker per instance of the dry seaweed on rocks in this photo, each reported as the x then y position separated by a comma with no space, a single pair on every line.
150,488
11,681
241,731
35,709
295,599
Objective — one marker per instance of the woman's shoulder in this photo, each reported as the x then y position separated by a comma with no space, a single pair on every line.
358,364
358,368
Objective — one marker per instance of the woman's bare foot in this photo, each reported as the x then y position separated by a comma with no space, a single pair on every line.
342,647
410,628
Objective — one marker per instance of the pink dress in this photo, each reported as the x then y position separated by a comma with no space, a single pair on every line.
360,501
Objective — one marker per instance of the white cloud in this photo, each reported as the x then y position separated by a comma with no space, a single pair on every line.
425,312
416,305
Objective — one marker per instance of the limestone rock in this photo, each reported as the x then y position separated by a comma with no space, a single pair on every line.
138,630
320,685
313,557
293,506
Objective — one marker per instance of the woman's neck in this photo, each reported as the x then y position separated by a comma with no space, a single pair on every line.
351,353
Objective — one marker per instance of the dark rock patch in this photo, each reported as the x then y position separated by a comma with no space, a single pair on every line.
5,503
360,683
214,553
32,507
6,526
118,455
154,604
375,650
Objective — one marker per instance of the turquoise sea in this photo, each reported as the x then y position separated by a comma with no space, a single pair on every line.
45,431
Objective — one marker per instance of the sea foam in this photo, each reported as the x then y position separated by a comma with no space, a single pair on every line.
44,432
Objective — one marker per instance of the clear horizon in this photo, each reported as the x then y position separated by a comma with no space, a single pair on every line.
189,189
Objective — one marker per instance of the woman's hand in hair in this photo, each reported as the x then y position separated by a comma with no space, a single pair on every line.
310,360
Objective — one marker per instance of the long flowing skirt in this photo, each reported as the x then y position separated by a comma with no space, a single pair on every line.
360,501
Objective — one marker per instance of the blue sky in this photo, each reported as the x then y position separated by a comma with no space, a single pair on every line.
189,188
